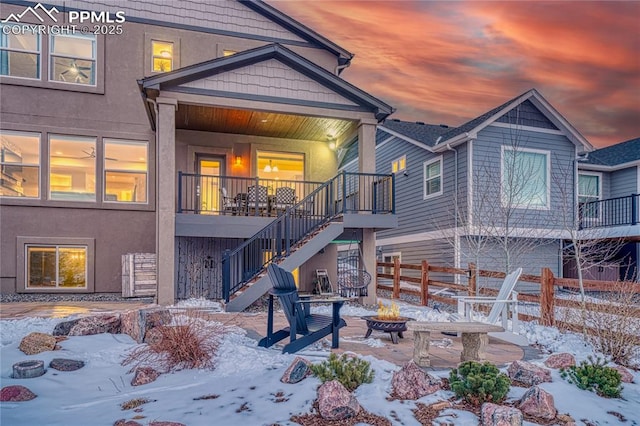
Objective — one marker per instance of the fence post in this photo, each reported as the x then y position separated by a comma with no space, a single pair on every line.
472,280
424,284
226,275
396,278
547,281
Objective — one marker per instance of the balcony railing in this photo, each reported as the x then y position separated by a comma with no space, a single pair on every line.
208,194
345,193
611,212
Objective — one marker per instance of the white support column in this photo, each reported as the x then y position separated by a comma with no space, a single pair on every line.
367,164
166,200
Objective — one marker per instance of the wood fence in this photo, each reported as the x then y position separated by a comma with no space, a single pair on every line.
546,297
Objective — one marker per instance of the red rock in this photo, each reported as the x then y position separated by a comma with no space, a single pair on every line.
144,375
123,422
411,382
297,371
153,336
625,375
138,323
528,373
500,415
96,325
335,402
34,343
16,393
538,403
563,360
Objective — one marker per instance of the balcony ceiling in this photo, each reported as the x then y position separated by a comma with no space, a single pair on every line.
259,123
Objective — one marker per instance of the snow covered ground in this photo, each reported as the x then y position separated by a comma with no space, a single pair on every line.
245,387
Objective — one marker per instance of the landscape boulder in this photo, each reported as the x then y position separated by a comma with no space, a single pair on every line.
411,382
499,415
625,375
138,323
335,402
528,373
144,375
96,325
123,422
62,364
16,393
562,360
34,343
538,403
63,328
298,370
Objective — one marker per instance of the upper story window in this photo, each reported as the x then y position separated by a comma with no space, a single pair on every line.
589,189
19,52
433,178
72,168
19,164
125,171
73,59
399,164
161,56
525,178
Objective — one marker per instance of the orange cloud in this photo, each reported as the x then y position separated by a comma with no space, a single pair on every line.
447,62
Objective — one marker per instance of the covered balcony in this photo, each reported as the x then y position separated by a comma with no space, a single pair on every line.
611,218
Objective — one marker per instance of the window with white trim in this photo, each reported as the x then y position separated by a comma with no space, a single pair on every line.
433,178
19,164
20,51
399,164
73,58
390,258
589,190
525,178
125,171
56,266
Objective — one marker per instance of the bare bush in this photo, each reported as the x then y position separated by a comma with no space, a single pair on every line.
191,341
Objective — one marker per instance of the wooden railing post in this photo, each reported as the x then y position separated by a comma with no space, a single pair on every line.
547,281
396,278
424,284
472,283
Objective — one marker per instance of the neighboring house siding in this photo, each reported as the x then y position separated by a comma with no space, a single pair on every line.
435,252
528,115
541,254
624,182
415,214
487,150
225,15
270,78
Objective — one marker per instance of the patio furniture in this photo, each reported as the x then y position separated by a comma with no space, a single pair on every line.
229,204
312,327
285,198
257,198
474,339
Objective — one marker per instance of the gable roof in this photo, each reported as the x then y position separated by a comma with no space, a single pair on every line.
615,155
470,129
362,99
426,133
344,56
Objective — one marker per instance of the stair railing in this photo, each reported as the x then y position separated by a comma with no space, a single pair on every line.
341,194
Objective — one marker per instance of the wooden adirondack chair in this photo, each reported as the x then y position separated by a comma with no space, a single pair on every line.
312,327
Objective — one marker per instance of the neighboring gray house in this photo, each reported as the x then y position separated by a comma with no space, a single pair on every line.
500,190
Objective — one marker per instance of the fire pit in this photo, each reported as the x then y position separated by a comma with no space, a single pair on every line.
387,320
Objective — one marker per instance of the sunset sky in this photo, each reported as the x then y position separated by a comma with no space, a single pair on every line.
450,61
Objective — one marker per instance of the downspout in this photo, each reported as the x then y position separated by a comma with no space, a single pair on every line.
456,243
157,177
339,68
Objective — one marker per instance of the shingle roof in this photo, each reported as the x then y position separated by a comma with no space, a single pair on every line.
472,124
425,133
623,152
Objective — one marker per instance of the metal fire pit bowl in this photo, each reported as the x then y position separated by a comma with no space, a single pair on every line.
393,327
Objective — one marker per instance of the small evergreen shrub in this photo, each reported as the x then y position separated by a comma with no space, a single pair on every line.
594,376
350,371
478,383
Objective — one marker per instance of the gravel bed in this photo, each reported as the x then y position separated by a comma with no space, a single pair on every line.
93,297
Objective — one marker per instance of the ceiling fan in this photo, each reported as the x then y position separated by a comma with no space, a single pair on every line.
74,71
89,154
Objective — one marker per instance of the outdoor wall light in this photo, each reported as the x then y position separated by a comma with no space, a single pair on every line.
238,160
332,145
